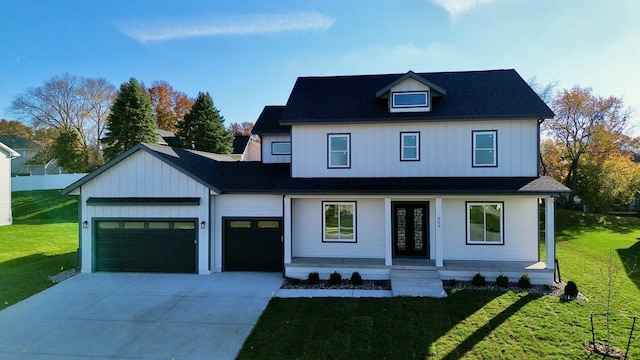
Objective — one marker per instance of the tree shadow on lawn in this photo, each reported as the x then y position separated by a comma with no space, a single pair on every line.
45,207
393,328
571,224
631,259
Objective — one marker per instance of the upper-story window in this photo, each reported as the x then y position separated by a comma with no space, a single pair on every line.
339,151
410,99
281,148
485,148
409,146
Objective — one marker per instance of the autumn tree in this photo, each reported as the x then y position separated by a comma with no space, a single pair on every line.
203,128
70,153
241,129
169,106
587,135
13,127
130,121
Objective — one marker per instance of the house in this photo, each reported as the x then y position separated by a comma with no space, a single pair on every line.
374,173
6,154
27,150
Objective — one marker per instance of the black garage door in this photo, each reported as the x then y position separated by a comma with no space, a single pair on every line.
149,246
253,244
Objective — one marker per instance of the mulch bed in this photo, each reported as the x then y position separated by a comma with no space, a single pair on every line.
556,289
345,284
601,349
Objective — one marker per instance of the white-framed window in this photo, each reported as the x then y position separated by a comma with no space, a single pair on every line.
485,223
281,148
338,151
338,221
485,148
410,99
409,146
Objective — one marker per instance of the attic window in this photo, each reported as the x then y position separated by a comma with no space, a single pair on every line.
410,99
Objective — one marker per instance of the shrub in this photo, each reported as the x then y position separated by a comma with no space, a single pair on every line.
335,278
478,280
525,281
314,278
502,281
356,279
571,289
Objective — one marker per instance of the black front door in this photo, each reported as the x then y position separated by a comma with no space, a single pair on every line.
410,230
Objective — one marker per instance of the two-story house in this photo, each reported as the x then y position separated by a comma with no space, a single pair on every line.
369,173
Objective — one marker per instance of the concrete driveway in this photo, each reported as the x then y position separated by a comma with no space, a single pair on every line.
138,316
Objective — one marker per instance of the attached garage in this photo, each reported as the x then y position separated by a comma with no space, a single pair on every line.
252,244
148,246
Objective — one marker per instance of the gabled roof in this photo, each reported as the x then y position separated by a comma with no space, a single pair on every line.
16,141
493,94
10,153
269,122
384,92
239,143
220,173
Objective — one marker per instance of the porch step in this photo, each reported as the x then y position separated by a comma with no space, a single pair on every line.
417,283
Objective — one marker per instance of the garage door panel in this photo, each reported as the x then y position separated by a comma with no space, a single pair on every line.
253,245
146,246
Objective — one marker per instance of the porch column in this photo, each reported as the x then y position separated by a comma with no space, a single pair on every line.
287,229
550,231
438,234
388,242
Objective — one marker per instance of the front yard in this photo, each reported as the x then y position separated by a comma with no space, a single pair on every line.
469,324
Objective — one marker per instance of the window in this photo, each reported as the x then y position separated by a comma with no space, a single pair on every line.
339,150
485,148
410,146
410,99
339,222
484,223
281,148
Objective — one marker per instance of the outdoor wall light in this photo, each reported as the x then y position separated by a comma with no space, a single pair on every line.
202,224
85,224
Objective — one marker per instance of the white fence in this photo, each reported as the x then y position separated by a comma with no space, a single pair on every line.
43,182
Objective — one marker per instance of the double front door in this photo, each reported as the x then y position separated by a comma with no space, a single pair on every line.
410,230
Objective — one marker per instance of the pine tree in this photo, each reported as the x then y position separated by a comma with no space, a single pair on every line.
203,128
130,122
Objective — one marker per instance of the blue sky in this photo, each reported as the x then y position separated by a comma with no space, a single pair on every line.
248,54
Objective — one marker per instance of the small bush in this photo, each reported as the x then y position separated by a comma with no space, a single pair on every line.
525,281
571,289
356,279
335,278
293,281
314,278
502,281
478,280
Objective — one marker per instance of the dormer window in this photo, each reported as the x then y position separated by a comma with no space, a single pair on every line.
410,99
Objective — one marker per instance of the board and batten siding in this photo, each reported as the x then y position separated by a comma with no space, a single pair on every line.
267,157
5,189
143,175
308,233
239,205
520,231
445,149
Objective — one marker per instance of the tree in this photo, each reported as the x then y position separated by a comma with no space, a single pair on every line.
242,129
130,121
98,96
12,127
70,153
203,128
585,125
169,106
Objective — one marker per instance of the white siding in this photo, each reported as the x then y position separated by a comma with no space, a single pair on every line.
5,189
520,231
143,175
307,230
239,205
267,157
445,149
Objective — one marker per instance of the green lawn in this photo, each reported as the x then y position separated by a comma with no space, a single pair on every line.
42,241
469,324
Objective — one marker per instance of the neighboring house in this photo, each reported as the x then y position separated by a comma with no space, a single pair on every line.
252,151
6,154
166,137
26,148
374,173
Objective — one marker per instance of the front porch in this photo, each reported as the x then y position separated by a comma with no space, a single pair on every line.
376,269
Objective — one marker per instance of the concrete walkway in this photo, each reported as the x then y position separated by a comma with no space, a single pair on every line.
138,316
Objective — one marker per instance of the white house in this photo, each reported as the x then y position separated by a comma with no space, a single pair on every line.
6,154
430,172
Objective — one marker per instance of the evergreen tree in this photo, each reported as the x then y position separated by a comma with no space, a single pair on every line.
203,128
130,121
